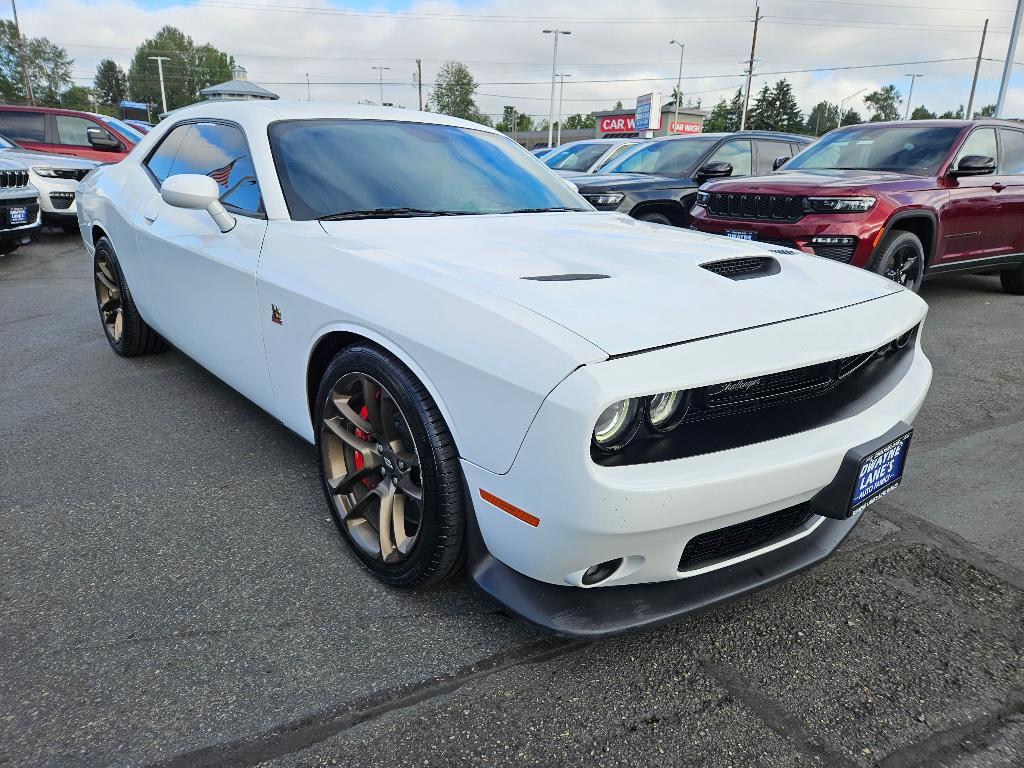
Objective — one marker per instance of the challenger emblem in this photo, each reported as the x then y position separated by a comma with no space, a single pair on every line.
737,386
275,314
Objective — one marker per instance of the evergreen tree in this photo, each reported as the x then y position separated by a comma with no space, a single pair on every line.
189,68
989,110
852,117
922,113
950,114
110,82
786,112
762,112
822,118
725,115
578,122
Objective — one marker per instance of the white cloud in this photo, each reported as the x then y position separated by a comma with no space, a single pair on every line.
279,48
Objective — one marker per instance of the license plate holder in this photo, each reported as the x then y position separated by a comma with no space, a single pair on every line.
880,472
740,234
17,215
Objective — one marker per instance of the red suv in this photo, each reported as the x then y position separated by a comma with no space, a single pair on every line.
901,199
68,132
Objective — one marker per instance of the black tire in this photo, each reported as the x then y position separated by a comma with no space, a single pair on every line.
135,337
1013,280
439,548
656,218
891,259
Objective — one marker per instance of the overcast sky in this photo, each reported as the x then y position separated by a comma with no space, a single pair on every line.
617,50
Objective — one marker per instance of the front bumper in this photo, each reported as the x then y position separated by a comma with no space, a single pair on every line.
20,233
647,513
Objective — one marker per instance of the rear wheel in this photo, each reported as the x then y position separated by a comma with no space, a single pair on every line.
389,469
900,258
124,327
1013,280
655,218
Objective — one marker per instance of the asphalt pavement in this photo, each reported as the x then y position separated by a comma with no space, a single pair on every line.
174,593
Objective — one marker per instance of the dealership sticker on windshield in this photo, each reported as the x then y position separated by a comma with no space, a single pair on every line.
739,234
880,473
17,215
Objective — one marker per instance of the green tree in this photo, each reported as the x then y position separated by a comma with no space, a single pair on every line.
852,117
578,122
761,115
618,104
725,115
189,68
110,82
922,113
884,104
953,114
49,68
787,116
823,117
989,110
454,88
523,122
77,97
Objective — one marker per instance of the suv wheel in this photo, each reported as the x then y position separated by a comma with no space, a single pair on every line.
900,258
655,218
1013,280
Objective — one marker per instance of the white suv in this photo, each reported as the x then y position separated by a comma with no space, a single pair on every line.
19,206
55,177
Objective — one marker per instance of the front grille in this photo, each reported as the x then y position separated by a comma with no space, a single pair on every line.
743,268
13,178
766,207
744,537
843,253
744,394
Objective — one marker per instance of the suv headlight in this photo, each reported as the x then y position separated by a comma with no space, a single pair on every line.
49,173
702,199
841,204
606,198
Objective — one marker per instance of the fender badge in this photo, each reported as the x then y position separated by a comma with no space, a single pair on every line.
275,314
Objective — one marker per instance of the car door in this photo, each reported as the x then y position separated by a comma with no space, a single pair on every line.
200,283
27,128
736,153
1012,149
975,225
72,138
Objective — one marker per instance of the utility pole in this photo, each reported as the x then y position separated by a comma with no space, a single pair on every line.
515,123
419,80
308,96
561,89
554,68
27,83
679,80
910,95
160,66
977,66
380,71
750,67
1010,52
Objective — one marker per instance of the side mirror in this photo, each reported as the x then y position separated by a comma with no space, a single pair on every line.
715,170
974,165
101,139
198,193
779,162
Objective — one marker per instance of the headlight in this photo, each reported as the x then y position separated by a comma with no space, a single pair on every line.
617,424
49,173
609,198
841,204
666,410
702,199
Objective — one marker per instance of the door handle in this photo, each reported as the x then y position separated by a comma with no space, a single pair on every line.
998,187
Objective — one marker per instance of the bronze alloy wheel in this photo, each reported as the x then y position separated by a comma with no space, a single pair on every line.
372,468
108,297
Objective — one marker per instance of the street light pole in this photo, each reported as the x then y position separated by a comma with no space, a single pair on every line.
561,89
554,68
309,97
679,80
1010,53
380,71
977,66
160,66
911,94
839,122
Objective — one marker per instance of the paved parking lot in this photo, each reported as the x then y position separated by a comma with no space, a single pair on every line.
173,592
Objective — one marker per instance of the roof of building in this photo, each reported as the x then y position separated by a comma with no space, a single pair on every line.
238,88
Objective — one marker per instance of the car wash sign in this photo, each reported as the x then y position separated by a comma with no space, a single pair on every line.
618,124
648,112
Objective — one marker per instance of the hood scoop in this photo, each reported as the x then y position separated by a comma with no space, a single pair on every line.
566,278
744,268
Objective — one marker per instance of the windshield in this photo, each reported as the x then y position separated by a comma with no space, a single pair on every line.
904,149
575,157
5,144
672,157
122,127
332,167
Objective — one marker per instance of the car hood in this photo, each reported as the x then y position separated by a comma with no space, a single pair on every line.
622,182
31,157
655,293
834,181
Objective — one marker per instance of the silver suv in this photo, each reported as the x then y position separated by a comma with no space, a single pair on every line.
19,206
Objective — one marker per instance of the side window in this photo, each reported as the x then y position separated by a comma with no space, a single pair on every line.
737,154
72,130
982,141
767,152
615,153
219,151
160,161
23,126
1013,150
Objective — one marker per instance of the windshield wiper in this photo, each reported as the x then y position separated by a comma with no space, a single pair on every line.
390,213
554,209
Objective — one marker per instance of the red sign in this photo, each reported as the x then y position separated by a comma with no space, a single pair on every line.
620,124
684,127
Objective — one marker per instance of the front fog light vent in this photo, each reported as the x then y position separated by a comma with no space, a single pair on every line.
595,574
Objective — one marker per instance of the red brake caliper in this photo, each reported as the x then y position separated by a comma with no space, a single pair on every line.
358,457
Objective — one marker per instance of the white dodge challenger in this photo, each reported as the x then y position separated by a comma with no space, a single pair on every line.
610,423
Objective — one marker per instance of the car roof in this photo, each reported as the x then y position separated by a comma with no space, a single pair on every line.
950,123
745,134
